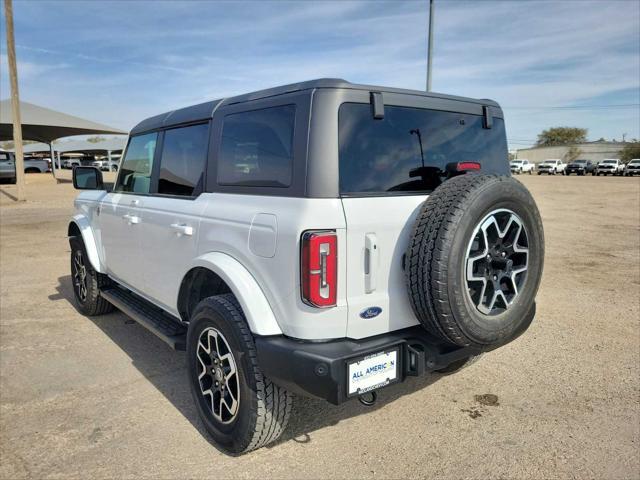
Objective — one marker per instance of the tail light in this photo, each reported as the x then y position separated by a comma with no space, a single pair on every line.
464,166
319,268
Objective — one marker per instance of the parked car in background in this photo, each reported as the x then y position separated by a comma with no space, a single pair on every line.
580,167
551,167
610,166
521,166
106,165
632,168
71,162
37,165
7,167
31,165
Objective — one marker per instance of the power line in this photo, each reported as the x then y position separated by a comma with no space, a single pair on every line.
577,107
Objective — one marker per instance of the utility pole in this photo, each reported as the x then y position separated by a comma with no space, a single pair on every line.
15,101
624,135
430,45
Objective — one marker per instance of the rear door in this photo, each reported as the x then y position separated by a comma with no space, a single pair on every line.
387,168
172,212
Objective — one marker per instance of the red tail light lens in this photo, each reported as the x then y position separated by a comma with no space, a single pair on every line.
319,268
464,166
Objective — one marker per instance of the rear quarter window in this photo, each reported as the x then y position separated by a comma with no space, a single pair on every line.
257,148
408,150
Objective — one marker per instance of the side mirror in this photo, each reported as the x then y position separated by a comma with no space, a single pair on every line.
87,178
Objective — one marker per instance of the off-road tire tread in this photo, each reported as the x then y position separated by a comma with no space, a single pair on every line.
274,402
96,304
426,269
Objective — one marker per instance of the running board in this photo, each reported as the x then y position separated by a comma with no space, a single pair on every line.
154,319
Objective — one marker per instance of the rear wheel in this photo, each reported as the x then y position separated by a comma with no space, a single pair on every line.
241,409
475,260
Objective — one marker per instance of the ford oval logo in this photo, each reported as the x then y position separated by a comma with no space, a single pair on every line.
370,312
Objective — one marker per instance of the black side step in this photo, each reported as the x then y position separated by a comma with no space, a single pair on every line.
149,316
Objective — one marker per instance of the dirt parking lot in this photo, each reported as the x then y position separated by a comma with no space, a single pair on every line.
103,398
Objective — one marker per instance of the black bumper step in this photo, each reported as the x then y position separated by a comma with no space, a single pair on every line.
154,319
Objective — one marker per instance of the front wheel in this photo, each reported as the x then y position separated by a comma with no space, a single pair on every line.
241,409
86,282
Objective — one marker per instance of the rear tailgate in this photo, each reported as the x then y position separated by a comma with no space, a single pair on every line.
378,231
387,168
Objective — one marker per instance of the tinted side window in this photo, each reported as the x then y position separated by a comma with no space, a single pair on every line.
184,153
135,171
408,150
257,148
4,157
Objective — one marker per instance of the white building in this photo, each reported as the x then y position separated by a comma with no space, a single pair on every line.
594,151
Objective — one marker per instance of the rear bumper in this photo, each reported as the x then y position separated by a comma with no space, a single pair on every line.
319,369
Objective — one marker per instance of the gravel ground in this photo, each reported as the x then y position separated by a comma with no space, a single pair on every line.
103,398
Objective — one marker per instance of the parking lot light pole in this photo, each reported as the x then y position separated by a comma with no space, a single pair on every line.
15,102
430,45
53,160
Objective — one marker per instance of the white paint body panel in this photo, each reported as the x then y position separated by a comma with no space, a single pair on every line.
169,229
254,304
253,243
225,226
119,222
386,223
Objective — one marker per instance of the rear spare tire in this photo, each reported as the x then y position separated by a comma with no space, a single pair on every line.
475,259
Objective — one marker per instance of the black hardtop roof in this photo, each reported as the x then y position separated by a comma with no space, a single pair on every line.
205,110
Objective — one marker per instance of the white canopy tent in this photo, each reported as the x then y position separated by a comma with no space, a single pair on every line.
46,125
108,146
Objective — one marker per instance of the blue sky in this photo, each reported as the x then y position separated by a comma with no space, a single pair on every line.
119,62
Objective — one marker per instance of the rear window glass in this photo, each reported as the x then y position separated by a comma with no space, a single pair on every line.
257,148
408,150
184,153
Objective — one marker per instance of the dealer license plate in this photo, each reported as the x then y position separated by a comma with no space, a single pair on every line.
373,371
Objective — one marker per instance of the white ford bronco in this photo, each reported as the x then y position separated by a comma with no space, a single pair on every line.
323,239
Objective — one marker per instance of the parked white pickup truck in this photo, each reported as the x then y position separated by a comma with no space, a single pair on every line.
632,168
31,165
322,239
551,167
610,166
521,166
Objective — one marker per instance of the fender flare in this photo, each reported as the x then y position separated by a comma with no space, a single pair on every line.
89,241
244,286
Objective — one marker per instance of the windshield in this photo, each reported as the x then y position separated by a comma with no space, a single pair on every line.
516,162
408,150
634,162
609,161
580,161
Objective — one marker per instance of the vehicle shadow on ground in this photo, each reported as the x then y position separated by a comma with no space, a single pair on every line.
166,370
12,197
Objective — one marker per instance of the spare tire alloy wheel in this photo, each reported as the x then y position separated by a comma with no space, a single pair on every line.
496,262
218,375
474,260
